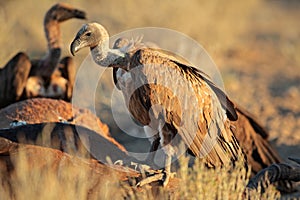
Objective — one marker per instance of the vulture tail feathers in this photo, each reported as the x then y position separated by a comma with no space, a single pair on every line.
252,138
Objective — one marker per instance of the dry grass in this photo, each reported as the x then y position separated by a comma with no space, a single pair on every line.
32,181
41,180
55,176
220,183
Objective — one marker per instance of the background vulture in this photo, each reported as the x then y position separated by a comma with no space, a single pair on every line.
49,76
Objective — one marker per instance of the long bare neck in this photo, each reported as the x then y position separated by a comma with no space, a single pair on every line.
52,31
48,63
105,56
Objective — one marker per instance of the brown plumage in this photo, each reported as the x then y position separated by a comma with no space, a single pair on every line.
195,111
160,67
250,134
253,138
13,78
45,77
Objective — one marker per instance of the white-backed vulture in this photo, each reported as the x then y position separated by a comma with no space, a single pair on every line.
127,55
22,78
250,134
195,112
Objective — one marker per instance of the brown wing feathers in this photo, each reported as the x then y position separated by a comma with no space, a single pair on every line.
159,95
13,79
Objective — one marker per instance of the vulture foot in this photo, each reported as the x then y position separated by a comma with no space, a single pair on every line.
151,176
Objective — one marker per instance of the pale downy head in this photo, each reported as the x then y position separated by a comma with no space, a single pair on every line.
90,35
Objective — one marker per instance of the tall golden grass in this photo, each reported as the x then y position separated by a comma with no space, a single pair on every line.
47,179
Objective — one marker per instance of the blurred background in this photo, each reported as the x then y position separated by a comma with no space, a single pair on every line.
255,44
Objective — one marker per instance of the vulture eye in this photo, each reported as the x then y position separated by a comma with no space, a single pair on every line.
88,34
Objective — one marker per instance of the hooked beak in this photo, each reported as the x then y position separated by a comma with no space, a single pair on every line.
79,14
76,45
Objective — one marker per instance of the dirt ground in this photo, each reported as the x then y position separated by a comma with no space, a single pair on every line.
255,44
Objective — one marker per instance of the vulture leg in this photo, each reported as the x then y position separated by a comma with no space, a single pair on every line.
13,78
163,175
167,170
151,175
152,151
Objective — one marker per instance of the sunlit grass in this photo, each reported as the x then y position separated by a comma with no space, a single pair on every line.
200,182
72,178
47,175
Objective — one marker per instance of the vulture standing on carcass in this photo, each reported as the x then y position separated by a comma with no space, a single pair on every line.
49,76
207,131
194,108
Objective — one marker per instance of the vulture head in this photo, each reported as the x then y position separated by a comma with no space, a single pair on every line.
90,35
61,12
